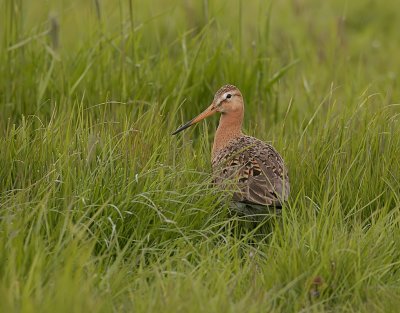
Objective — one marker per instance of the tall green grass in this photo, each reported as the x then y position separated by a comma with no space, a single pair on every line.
101,210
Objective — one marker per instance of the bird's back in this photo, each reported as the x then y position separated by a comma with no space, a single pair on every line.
256,170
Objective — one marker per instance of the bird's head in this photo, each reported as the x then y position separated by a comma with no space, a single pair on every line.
227,100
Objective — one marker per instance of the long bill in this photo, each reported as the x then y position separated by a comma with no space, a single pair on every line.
208,112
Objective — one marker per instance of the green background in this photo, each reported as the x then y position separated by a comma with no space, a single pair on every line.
102,210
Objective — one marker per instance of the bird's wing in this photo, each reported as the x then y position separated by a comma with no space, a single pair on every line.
257,170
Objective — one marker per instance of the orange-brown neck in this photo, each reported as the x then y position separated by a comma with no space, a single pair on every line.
230,127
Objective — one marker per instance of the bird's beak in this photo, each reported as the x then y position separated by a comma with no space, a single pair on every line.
212,109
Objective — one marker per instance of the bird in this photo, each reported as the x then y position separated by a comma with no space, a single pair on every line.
256,170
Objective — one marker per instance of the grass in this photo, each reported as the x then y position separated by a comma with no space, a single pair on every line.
101,210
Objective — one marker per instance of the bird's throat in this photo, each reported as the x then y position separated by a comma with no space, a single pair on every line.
229,128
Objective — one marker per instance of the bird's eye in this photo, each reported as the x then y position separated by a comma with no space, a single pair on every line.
228,96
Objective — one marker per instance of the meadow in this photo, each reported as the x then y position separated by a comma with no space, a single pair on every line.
102,210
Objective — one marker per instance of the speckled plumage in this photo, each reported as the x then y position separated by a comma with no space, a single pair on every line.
255,168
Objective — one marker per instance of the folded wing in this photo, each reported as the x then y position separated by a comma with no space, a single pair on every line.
255,169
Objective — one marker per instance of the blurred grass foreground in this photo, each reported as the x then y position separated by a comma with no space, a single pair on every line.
101,210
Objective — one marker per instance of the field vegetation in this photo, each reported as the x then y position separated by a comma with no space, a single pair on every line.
102,210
